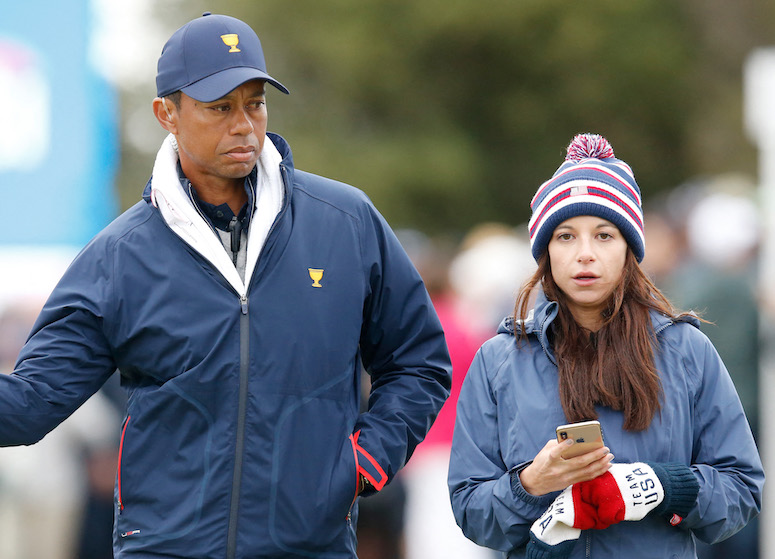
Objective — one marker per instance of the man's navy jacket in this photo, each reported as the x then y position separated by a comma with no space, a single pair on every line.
243,435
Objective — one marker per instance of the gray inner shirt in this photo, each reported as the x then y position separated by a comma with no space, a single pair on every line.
242,255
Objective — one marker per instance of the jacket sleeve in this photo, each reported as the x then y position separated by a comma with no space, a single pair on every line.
65,360
489,503
403,350
725,458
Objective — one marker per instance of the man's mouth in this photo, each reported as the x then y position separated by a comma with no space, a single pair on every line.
242,153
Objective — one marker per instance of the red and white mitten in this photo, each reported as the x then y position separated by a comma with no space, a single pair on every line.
631,491
624,492
553,535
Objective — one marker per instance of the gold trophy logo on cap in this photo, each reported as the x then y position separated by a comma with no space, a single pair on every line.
231,40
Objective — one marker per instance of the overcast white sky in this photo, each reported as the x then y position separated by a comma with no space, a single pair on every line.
128,40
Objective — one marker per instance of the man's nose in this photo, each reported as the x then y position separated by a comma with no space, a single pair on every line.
242,124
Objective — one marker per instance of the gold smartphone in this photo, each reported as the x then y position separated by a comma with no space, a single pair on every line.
587,436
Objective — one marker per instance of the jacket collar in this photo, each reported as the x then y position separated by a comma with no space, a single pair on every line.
538,318
164,191
287,165
537,322
543,313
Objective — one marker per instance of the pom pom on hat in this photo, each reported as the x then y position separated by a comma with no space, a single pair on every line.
591,181
589,146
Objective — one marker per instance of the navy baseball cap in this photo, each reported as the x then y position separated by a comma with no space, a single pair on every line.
209,57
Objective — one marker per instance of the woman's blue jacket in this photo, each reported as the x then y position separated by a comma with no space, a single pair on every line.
509,407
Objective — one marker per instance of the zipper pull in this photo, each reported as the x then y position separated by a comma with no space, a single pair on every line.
243,301
235,228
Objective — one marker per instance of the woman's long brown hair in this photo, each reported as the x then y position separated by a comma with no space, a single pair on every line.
614,366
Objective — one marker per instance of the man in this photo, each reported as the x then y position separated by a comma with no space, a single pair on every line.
239,301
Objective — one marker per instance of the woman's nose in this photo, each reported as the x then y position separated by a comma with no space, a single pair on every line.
586,252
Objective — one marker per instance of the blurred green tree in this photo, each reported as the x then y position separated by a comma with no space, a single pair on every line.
450,113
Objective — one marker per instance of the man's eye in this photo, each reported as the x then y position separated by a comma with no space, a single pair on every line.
257,104
220,108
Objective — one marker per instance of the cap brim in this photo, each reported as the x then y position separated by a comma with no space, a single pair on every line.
221,83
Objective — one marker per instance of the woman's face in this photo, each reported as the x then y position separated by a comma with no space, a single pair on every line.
587,256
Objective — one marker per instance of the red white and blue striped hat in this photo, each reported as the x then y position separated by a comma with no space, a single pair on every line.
591,181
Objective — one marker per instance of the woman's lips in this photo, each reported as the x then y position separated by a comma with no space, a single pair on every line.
585,279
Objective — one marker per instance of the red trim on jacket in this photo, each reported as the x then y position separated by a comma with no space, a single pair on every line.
376,484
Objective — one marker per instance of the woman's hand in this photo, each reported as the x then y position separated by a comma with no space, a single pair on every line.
551,472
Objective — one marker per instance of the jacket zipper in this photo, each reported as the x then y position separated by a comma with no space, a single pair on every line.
239,445
118,475
239,450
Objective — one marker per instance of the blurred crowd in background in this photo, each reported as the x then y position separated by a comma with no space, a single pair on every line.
56,497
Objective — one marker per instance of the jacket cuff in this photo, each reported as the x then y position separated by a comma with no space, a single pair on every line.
521,493
368,467
681,489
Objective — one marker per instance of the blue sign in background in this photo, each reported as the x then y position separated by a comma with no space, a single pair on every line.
58,132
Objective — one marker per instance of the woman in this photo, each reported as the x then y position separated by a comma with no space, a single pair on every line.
600,342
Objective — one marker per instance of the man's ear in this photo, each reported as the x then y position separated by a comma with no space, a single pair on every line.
166,115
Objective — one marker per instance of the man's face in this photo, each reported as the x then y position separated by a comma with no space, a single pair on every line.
219,142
